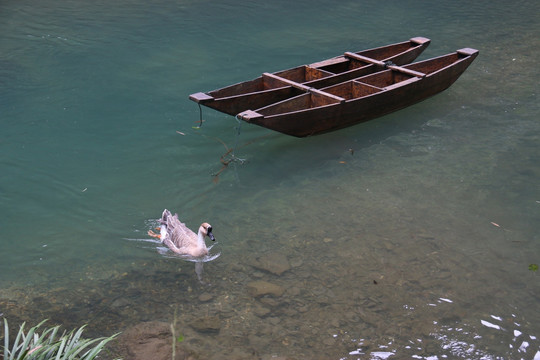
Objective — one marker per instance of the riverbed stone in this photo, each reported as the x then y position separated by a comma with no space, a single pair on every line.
270,301
275,263
207,324
148,340
204,297
260,288
261,311
293,291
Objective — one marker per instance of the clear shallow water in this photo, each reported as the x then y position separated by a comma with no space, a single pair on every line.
92,97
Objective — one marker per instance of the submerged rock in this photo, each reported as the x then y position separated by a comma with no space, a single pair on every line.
274,263
204,297
207,324
259,288
148,340
261,311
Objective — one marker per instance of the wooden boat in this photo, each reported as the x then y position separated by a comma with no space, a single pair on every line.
321,110
265,90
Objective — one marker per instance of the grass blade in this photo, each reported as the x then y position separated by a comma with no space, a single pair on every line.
61,349
6,339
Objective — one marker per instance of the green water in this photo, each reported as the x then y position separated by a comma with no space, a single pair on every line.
408,237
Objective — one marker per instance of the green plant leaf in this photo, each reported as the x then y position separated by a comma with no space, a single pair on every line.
69,346
533,267
180,338
61,349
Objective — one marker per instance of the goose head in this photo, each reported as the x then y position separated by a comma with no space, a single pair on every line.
206,230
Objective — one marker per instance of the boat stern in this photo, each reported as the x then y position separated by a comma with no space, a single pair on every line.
468,52
201,97
420,40
249,115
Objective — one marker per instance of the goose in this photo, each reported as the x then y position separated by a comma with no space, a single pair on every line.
180,239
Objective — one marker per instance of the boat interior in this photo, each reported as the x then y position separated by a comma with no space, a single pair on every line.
303,74
353,89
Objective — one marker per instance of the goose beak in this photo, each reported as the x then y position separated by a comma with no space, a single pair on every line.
211,236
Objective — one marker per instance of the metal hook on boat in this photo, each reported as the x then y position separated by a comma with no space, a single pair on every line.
386,64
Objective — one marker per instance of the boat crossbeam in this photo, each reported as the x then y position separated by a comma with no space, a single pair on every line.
406,71
364,59
384,65
287,81
303,87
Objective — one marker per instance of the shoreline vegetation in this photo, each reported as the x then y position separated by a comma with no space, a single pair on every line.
40,343
146,340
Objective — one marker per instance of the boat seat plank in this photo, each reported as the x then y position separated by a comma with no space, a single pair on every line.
407,71
364,59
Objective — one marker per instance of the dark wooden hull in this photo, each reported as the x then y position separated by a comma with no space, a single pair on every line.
266,89
362,99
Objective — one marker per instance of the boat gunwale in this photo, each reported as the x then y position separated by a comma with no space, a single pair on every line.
252,93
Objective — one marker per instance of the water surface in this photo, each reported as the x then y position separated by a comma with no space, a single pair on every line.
408,236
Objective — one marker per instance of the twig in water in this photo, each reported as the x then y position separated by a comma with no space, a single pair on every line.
173,331
227,158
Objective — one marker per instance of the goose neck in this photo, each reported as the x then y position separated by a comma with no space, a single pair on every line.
200,239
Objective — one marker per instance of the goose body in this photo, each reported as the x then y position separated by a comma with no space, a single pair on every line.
180,239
